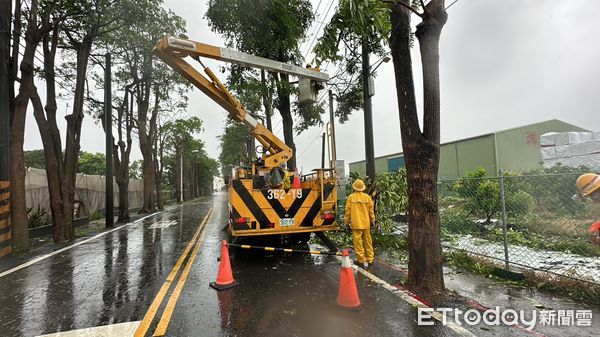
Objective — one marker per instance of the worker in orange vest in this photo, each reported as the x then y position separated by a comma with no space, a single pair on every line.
360,215
588,185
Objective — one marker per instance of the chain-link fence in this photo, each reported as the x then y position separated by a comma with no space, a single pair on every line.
531,221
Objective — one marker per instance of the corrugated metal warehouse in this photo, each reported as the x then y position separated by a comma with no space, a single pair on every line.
516,149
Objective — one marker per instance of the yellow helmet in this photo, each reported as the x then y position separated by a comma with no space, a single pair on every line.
358,185
588,183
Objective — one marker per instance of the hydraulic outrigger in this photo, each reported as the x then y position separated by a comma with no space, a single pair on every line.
258,204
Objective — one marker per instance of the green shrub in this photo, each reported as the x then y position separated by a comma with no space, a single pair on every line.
482,195
457,223
390,196
96,216
38,218
553,189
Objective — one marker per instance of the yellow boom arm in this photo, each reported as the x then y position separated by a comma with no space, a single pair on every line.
173,52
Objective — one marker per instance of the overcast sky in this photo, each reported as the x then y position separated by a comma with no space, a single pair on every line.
503,64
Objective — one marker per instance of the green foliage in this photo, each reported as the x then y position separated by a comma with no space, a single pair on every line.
553,189
233,146
390,196
355,23
135,169
457,222
268,28
96,216
311,116
547,242
351,99
482,195
38,218
92,163
35,158
180,133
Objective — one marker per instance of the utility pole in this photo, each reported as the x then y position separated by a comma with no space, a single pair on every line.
332,123
5,227
323,151
368,113
181,175
110,219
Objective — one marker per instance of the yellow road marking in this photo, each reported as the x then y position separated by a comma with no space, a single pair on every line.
145,324
165,319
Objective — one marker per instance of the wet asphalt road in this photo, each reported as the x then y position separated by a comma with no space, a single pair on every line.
283,295
108,280
116,277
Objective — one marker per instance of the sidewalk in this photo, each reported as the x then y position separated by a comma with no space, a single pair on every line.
480,293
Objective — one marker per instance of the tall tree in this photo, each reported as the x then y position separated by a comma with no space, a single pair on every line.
421,148
233,146
271,29
122,151
157,89
36,29
180,136
84,23
148,92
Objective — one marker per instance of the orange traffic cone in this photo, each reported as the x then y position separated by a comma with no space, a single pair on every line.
225,277
296,182
347,294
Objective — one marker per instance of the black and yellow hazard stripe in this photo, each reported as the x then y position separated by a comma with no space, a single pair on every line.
5,231
263,211
316,207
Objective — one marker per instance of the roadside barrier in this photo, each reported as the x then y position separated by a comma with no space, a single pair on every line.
5,230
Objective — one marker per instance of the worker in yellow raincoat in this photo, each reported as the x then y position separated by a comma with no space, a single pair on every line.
361,216
588,185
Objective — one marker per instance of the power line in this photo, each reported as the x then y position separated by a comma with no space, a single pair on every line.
450,5
315,16
311,142
319,28
317,9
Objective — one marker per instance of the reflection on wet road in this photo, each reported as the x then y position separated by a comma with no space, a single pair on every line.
116,277
283,295
108,280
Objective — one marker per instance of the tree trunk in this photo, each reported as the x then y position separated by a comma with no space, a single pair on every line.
18,208
158,166
147,131
178,175
123,202
287,120
122,178
421,149
123,150
160,200
148,181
